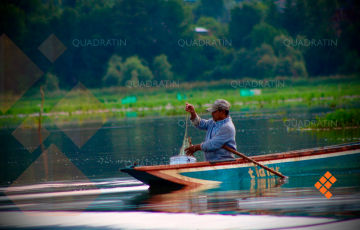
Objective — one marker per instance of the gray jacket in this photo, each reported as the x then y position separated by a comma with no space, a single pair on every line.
218,133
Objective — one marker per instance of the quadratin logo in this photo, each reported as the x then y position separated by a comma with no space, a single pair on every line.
325,183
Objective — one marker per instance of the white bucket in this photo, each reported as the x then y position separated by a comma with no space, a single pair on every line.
181,159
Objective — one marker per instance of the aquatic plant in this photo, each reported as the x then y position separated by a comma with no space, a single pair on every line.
338,118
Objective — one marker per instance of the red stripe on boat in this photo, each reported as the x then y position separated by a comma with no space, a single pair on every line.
267,157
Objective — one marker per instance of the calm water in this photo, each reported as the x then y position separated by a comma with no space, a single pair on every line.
95,184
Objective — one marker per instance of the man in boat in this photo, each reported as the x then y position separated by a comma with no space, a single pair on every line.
220,131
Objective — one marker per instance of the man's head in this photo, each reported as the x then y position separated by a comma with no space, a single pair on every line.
219,110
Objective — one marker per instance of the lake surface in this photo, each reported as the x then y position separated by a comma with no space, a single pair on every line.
87,178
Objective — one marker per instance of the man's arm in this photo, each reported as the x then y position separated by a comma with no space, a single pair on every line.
224,135
195,119
201,123
198,123
192,149
190,108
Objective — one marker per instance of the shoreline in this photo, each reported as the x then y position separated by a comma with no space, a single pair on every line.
167,107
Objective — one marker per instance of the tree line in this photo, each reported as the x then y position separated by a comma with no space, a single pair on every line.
264,39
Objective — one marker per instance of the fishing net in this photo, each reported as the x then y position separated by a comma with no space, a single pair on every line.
187,140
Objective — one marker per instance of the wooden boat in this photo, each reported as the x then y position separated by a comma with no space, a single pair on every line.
335,159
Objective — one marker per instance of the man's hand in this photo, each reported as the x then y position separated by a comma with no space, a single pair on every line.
192,149
190,108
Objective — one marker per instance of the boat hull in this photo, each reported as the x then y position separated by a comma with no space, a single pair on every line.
336,159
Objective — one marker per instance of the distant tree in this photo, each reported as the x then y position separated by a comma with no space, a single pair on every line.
284,67
243,19
264,33
289,16
211,8
318,20
266,66
322,60
350,48
132,69
162,68
68,3
153,27
263,62
281,50
135,69
241,65
294,18
86,6
115,72
273,14
299,69
351,64
300,21
30,7
264,49
290,59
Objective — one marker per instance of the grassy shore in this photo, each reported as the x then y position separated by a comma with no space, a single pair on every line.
340,118
160,101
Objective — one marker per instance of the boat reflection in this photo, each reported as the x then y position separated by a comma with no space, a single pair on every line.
208,198
295,196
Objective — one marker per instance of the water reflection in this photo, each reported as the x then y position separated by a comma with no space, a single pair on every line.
293,196
207,198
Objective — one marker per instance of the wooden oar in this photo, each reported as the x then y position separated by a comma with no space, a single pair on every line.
255,162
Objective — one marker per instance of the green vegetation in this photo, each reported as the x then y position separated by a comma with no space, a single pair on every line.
259,45
339,118
256,34
166,101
